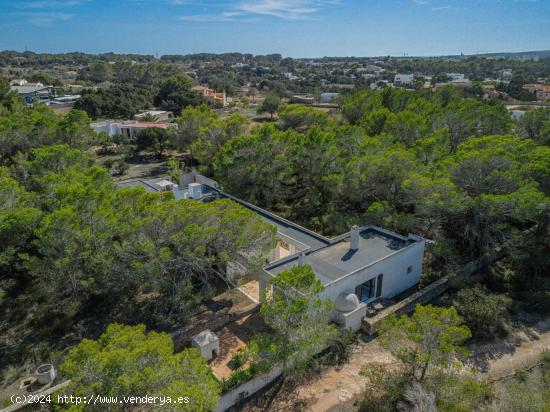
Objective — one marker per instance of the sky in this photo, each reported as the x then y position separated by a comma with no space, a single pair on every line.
293,28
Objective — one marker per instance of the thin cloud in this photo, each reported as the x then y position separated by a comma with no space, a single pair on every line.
47,19
284,9
248,10
49,4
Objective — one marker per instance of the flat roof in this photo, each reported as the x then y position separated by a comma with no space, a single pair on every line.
148,185
152,112
25,89
337,260
289,231
154,186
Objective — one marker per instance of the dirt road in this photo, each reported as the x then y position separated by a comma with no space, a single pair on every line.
520,351
336,388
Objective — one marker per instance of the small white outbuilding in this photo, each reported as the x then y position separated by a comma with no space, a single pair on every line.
207,343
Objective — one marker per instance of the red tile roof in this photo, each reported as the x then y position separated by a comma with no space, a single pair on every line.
145,125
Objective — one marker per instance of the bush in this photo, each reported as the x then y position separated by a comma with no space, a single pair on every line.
484,312
238,359
522,375
237,378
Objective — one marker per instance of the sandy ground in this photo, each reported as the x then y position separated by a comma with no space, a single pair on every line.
522,351
233,337
336,389
251,290
340,386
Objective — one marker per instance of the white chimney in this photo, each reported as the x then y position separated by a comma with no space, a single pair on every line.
354,242
302,259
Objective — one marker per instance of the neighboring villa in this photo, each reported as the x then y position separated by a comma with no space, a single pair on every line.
403,79
540,91
128,128
358,269
211,96
31,91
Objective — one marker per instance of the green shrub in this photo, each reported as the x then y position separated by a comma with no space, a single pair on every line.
238,359
522,375
237,378
484,312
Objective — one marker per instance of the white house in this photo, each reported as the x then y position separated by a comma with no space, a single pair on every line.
403,79
358,268
31,91
127,128
456,76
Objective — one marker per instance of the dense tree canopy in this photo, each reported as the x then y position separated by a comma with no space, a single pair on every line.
126,361
22,129
118,101
176,93
299,319
88,253
438,164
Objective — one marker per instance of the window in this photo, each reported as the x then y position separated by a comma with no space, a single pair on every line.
365,291
409,269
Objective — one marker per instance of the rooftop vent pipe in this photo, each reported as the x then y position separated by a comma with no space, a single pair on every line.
354,242
302,259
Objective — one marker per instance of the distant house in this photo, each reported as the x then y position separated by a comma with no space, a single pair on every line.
376,70
18,82
65,99
239,65
456,76
403,79
211,96
31,91
329,97
302,99
540,91
125,128
161,116
506,73
242,91
459,84
63,104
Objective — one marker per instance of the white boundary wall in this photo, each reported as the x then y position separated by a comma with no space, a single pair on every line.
249,388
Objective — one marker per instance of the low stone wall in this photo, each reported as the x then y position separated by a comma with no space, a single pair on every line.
408,304
430,292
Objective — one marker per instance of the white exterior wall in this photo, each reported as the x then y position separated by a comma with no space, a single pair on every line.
394,268
351,320
237,394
